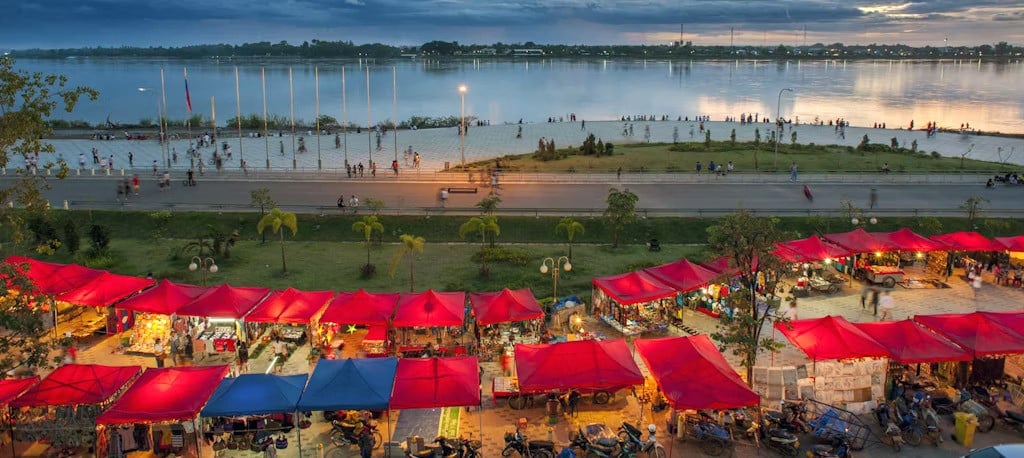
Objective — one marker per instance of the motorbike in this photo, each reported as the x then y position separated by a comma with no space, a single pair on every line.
517,443
632,439
791,417
447,449
895,423
469,448
604,447
777,439
713,437
840,448
343,433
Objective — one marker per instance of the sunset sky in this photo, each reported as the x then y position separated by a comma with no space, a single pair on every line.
75,23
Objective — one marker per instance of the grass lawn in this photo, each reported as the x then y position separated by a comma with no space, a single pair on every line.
335,265
682,157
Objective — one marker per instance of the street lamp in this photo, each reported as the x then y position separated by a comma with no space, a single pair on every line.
778,125
159,122
549,264
462,93
203,265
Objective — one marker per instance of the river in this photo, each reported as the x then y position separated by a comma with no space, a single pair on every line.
988,95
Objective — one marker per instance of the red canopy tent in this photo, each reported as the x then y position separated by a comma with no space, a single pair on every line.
106,289
909,342
1015,243
860,241
423,383
579,364
907,240
967,241
39,272
810,249
163,299
979,333
66,278
224,301
505,306
1012,320
831,337
290,306
683,275
360,307
12,388
73,384
719,264
430,308
693,374
166,394
633,287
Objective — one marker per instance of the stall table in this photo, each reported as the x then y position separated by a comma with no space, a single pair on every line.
504,387
888,276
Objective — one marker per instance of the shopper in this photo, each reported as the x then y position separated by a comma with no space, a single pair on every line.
159,353
886,303
280,353
874,300
976,285
243,357
791,311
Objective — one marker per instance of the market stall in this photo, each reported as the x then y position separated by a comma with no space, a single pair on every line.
967,241
350,384
599,367
147,316
866,248
63,407
9,390
288,315
632,303
812,261
424,383
686,277
910,343
431,310
987,337
52,279
373,310
505,318
912,249
831,337
223,308
260,405
674,362
160,408
1015,243
102,292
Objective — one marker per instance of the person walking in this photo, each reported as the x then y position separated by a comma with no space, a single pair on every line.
243,357
874,300
864,296
159,353
873,198
976,283
886,303
792,171
135,184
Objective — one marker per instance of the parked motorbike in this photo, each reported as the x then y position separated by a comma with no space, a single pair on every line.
446,448
604,447
791,417
840,448
775,438
905,424
517,443
633,440
713,437
343,433
469,448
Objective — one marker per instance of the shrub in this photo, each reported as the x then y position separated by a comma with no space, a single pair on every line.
514,256
638,265
367,271
99,240
72,241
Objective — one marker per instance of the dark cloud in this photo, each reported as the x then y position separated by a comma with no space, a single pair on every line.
55,23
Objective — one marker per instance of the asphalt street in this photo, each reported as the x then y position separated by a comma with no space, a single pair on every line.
661,198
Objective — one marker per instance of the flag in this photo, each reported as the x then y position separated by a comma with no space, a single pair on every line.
188,98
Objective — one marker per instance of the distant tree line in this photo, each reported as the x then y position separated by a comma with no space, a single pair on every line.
315,49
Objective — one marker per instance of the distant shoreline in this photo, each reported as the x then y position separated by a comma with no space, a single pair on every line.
289,59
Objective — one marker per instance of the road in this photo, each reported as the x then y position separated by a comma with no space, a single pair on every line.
780,198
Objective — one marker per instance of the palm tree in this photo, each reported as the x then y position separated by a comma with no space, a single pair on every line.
411,244
368,226
571,227
277,220
483,225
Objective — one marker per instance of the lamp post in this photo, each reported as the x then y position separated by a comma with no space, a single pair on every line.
778,125
203,265
159,121
555,267
462,93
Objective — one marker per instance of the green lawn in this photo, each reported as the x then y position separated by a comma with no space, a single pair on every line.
683,157
335,265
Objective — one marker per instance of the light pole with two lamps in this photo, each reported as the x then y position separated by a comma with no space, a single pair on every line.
462,92
555,267
203,265
778,125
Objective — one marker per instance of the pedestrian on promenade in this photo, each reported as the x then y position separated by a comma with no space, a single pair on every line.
191,177
886,303
792,171
618,173
791,314
976,284
81,161
159,353
135,184
155,168
243,357
341,201
699,167
873,198
874,300
864,292
131,160
394,166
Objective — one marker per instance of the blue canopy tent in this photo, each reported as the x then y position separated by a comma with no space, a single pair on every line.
255,394
356,384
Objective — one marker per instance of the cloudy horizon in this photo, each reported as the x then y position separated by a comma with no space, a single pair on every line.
90,23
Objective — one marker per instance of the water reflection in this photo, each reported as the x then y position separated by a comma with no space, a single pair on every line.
987,95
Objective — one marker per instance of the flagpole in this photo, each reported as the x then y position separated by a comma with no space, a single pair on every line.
188,105
316,79
213,121
266,140
394,94
238,115
369,130
291,108
163,122
344,113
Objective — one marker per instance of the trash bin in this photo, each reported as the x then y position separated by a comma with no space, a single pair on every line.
966,423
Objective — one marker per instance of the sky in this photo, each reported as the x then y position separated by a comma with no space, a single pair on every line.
78,23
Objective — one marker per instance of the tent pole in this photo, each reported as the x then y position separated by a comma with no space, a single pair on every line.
298,431
390,439
196,433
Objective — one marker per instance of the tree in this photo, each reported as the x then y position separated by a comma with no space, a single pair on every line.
410,245
277,221
488,204
481,225
973,207
621,212
571,228
24,345
747,241
367,227
72,241
262,200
